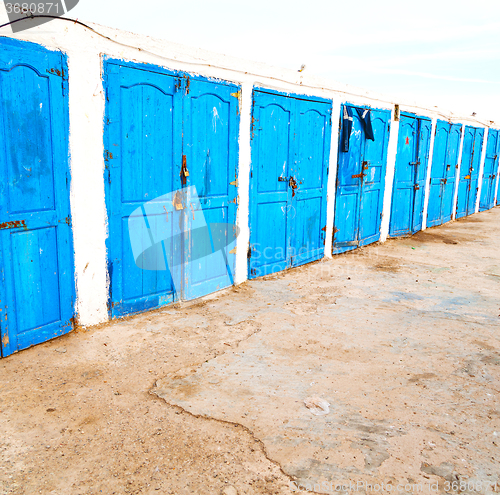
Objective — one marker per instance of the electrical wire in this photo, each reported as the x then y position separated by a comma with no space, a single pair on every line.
205,64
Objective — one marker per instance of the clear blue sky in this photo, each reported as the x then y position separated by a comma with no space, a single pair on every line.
441,52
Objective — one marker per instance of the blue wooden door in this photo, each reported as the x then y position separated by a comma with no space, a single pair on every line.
290,151
360,183
469,170
490,171
37,268
171,154
409,176
210,145
143,142
444,162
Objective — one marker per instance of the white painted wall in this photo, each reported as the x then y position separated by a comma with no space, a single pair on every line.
332,177
389,178
85,49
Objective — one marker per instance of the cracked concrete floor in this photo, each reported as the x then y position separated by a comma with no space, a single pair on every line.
401,339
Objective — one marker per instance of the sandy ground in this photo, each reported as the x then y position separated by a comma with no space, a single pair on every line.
401,339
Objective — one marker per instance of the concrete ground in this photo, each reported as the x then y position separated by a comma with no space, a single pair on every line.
400,339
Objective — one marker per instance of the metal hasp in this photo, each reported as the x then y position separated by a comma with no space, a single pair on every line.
469,171
289,170
37,285
361,182
409,176
490,169
443,170
170,133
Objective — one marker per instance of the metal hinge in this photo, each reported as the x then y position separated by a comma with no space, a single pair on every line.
188,83
249,252
108,155
57,72
238,96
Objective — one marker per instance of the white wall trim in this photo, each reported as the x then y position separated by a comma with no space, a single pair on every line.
392,151
243,214
331,189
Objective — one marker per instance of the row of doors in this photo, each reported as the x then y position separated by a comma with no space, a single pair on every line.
171,186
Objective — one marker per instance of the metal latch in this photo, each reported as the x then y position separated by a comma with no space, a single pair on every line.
283,179
467,177
184,169
416,187
415,163
358,176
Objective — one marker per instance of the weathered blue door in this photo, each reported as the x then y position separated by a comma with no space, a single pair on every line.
443,170
469,171
410,174
290,152
37,268
360,182
166,133
490,171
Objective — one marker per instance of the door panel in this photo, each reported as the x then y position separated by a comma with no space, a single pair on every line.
312,149
210,145
372,198
143,113
270,197
37,273
489,171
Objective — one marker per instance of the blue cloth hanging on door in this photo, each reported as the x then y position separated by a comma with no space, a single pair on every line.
346,128
366,122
